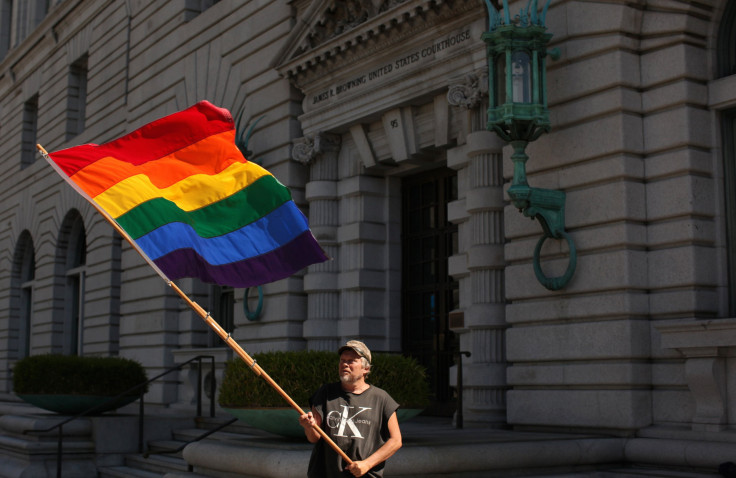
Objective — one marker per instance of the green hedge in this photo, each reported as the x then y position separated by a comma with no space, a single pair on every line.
300,374
71,375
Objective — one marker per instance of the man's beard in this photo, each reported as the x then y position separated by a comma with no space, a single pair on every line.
347,378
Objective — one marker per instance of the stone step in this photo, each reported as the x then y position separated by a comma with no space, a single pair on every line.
160,464
22,444
654,473
34,427
186,475
157,464
632,472
166,447
237,426
126,472
188,435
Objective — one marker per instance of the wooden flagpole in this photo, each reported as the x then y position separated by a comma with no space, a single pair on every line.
249,361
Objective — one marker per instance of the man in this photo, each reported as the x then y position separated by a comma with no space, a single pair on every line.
360,419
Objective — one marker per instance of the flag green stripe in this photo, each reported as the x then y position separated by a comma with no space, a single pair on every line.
227,215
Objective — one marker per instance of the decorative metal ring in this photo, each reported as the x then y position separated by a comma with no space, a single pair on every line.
255,315
555,283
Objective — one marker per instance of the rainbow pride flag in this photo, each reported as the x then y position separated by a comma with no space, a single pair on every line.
193,205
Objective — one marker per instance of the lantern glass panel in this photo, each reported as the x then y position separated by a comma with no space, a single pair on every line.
500,79
521,75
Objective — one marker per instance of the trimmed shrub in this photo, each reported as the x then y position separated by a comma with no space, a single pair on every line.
53,374
301,373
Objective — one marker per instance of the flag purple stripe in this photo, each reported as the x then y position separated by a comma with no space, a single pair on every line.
282,262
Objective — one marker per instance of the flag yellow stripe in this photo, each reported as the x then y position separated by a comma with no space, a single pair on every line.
193,192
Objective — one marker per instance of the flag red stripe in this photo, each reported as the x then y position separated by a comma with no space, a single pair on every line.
144,144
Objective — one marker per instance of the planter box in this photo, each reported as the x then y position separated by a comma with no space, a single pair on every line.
76,404
285,421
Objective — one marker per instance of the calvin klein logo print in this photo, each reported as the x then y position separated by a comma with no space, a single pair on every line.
344,420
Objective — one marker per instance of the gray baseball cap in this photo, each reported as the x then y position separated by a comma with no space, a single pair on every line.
359,347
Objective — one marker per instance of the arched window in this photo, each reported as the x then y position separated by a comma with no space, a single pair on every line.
727,41
222,305
21,298
72,255
76,105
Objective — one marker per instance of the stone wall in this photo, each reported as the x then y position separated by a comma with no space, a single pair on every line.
145,60
635,145
631,145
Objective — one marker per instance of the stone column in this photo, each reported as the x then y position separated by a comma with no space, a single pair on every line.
320,282
482,324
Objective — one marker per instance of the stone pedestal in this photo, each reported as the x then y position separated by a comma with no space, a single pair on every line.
709,349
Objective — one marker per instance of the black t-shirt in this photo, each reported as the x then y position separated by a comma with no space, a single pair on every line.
357,423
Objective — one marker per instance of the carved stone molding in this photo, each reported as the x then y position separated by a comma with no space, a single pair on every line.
343,17
469,94
307,149
329,30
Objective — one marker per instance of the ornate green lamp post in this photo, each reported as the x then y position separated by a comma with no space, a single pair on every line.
517,112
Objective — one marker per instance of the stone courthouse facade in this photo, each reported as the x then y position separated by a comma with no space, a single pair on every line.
374,114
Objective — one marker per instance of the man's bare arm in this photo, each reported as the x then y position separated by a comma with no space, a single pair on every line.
392,445
308,421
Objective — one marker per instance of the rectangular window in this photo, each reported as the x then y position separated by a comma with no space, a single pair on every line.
6,23
76,98
22,21
29,131
30,14
41,8
192,8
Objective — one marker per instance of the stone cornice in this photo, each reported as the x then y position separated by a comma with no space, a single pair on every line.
683,334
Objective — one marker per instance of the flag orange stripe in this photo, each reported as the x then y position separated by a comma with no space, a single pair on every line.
209,156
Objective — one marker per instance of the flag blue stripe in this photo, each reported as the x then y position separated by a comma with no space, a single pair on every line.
268,233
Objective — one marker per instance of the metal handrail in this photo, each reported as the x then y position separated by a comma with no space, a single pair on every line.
201,437
129,392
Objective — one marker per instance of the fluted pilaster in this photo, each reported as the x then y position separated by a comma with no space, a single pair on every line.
320,282
484,316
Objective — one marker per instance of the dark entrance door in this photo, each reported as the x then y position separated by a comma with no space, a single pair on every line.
729,174
428,292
